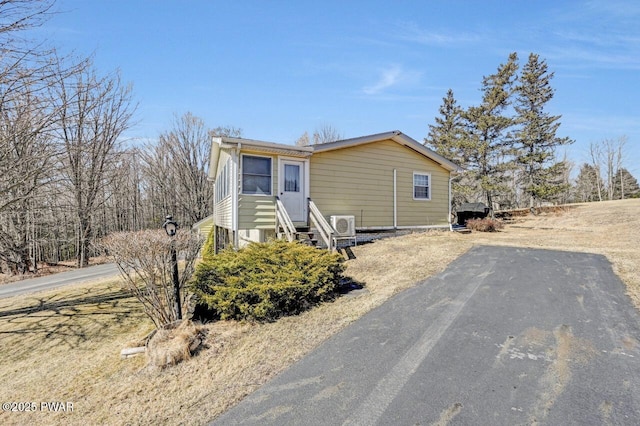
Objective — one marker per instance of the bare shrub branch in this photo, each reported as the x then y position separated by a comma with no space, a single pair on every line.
144,260
485,225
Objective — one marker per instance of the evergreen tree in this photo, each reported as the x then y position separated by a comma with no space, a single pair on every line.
625,185
536,138
487,146
586,186
447,137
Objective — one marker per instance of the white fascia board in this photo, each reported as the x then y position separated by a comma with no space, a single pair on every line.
213,158
268,147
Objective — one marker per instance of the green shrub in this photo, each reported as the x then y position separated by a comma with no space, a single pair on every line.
484,225
265,281
209,247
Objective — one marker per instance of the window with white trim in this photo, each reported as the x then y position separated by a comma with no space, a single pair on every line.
421,186
223,182
256,175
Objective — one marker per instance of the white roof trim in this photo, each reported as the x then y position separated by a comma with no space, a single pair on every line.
266,146
219,143
213,158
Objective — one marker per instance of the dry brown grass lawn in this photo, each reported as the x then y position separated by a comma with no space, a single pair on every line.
64,345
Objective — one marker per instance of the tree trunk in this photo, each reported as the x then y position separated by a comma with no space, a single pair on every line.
490,203
84,233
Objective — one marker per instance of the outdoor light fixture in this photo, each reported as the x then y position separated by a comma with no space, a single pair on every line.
171,227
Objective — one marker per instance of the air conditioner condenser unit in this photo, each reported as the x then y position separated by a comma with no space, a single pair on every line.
345,226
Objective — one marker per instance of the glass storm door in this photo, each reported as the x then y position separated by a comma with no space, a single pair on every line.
292,192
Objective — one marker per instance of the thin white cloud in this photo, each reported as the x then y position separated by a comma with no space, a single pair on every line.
585,56
412,33
601,124
601,34
612,39
616,9
393,76
388,78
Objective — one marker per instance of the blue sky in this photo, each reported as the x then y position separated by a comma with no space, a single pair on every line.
276,69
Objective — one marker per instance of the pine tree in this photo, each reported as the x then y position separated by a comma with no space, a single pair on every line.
625,185
586,186
487,147
536,138
447,137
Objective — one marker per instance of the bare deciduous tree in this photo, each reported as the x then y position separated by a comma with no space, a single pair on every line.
303,140
94,112
21,105
229,131
596,154
323,134
26,152
176,169
19,15
607,155
27,70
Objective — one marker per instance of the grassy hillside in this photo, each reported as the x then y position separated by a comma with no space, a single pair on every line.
64,345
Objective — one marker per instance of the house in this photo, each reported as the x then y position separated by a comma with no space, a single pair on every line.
384,181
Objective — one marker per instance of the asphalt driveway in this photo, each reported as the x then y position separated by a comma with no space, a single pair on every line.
504,336
49,282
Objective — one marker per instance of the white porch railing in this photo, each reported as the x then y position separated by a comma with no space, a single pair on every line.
320,223
283,220
316,219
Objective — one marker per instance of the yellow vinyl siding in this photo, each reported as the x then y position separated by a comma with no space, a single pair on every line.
424,212
259,211
359,181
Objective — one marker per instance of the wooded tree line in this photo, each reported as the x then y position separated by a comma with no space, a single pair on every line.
67,177
604,177
508,145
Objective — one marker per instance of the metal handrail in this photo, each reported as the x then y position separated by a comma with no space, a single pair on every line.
321,224
283,219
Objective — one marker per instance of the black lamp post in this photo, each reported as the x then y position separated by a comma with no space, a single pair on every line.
170,227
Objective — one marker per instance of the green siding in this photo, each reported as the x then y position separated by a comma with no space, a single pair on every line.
259,211
359,181
223,208
223,211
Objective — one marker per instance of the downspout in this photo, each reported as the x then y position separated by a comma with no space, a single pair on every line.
235,199
395,199
449,217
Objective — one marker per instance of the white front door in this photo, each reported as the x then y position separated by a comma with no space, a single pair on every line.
292,189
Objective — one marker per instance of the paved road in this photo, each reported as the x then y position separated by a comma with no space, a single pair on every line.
49,282
505,336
